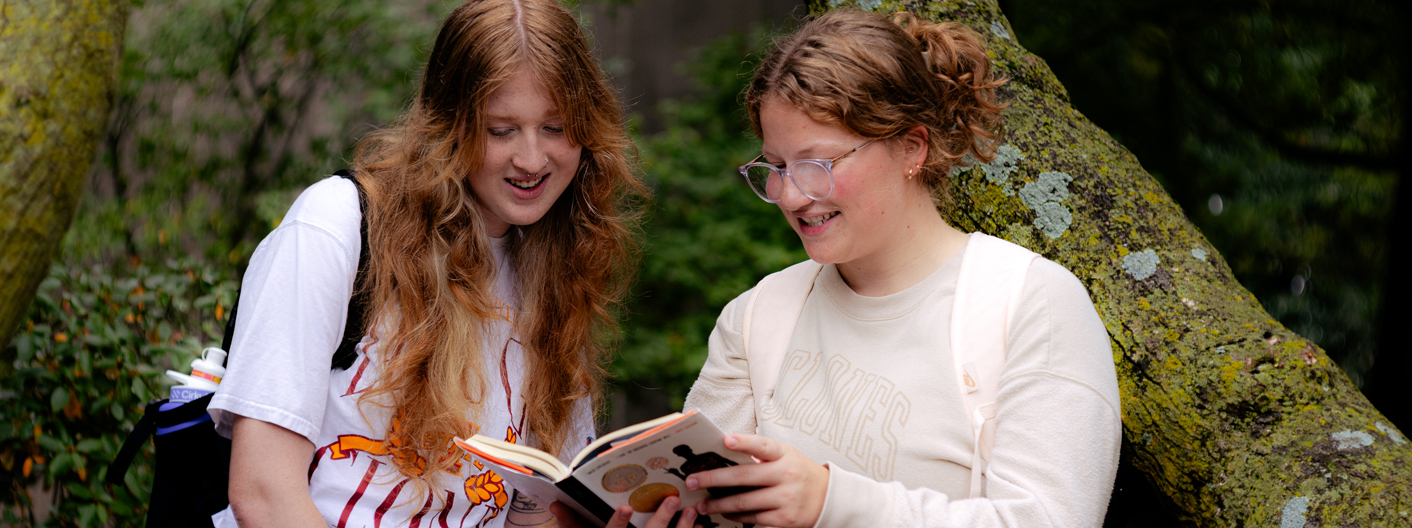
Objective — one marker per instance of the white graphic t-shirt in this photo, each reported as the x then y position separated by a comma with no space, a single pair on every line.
291,318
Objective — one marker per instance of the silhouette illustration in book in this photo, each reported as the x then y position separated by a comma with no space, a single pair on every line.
707,461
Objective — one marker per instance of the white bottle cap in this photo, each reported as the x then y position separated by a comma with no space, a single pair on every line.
209,367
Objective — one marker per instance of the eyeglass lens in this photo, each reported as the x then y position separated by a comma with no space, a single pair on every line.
813,179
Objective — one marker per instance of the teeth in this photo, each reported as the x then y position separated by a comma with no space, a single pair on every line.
526,185
816,221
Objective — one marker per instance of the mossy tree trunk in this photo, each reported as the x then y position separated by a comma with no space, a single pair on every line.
1238,420
58,69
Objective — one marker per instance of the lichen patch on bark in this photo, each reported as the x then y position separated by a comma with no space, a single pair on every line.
1292,515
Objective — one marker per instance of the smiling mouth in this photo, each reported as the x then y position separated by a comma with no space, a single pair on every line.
527,185
816,221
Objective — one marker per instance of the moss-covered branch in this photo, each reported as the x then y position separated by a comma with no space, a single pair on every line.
1237,419
58,68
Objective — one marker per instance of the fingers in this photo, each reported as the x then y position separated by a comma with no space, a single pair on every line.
568,518
785,489
687,519
757,446
565,515
740,503
620,517
743,476
663,517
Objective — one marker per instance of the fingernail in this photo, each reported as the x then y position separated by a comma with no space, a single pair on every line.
624,513
691,483
731,441
672,504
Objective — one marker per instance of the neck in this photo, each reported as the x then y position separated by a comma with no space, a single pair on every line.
923,243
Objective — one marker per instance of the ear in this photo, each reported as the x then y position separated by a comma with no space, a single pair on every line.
915,144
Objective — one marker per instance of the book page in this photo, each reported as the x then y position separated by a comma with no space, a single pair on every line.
538,487
650,468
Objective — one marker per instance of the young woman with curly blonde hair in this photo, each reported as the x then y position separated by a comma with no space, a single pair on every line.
498,229
892,401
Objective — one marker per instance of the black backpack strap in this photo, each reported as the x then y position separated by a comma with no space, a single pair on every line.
139,435
356,324
230,324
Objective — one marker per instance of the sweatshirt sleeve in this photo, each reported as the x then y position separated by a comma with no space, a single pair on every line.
722,390
1057,429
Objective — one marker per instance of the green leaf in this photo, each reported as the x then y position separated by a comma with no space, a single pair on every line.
24,347
60,464
59,399
89,445
139,390
53,445
117,410
78,490
85,362
87,514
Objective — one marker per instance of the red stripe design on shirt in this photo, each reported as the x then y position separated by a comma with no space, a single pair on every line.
417,519
450,500
362,487
387,503
353,386
314,464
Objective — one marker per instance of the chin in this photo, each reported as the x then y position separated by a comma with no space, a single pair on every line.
822,254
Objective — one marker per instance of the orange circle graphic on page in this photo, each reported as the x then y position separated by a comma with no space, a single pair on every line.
656,462
647,498
624,478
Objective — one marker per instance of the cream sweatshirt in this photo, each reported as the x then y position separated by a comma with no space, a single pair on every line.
868,389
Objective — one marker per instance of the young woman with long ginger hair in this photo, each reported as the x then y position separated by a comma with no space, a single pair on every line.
863,420
498,239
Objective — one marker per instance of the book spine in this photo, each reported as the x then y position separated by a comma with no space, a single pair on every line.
586,498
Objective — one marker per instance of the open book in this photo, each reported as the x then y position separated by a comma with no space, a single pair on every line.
639,465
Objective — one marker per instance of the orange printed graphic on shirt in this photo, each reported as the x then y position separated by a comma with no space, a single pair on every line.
348,444
510,435
503,313
485,487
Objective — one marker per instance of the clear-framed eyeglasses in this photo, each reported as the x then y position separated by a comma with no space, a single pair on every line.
813,177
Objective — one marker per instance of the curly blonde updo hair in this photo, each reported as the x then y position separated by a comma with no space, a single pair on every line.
880,76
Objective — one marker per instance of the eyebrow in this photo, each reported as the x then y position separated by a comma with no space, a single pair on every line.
810,152
546,118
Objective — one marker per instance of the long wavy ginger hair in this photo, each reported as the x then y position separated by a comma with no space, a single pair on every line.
431,270
879,77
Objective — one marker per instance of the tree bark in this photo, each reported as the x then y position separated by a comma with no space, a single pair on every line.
58,70
1234,417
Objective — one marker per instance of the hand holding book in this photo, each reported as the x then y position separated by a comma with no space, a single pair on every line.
787,489
663,518
642,469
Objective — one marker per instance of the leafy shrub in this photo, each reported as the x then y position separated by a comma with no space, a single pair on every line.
91,353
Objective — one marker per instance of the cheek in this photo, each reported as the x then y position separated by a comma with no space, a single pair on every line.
571,157
561,150
496,158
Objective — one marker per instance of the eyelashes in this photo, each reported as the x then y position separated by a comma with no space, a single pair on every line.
502,132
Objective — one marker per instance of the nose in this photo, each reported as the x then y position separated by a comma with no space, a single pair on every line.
791,197
530,157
